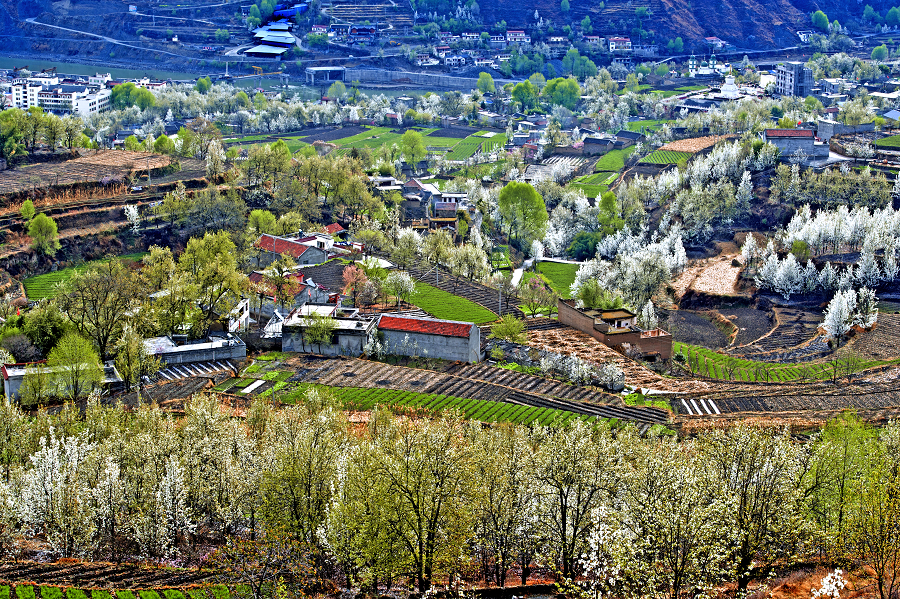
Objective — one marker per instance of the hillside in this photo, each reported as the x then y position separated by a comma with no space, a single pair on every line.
745,23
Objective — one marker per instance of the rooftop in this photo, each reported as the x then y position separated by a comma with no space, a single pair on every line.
784,133
446,328
280,245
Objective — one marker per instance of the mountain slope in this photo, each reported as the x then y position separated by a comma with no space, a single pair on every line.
745,23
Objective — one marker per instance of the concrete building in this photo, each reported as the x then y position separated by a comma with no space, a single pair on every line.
56,98
619,44
178,350
317,75
350,336
14,375
789,141
443,339
616,328
793,79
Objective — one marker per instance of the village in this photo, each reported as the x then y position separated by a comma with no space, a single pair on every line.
249,308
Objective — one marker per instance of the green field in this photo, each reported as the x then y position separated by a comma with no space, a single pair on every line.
41,286
666,157
590,191
560,276
724,367
597,179
613,161
443,304
647,124
889,142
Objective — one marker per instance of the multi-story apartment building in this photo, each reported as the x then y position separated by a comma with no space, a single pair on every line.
793,79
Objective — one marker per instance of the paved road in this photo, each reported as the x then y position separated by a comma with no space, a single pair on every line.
33,21
142,14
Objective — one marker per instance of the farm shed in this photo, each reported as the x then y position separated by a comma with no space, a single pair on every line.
615,328
14,374
444,339
349,338
177,350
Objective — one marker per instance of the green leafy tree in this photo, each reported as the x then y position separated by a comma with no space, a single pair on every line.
133,361
12,134
222,36
413,147
880,53
563,92
74,367
98,301
820,20
486,83
509,328
523,210
44,234
564,6
586,26
27,210
337,90
525,93
203,84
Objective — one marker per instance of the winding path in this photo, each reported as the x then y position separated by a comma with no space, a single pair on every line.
34,21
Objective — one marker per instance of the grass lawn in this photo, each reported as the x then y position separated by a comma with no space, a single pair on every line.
443,304
561,276
613,161
41,286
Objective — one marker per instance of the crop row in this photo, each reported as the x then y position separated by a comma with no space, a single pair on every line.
464,149
889,142
474,409
705,362
666,157
55,592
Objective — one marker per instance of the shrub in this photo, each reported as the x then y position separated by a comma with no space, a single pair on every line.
51,593
25,592
510,329
79,594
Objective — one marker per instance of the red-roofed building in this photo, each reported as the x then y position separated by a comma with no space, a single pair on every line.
796,142
444,339
335,229
303,254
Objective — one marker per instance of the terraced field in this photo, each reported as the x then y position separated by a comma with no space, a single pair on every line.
41,286
472,382
704,362
446,305
794,327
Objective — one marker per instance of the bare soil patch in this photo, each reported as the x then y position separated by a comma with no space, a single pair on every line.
91,167
693,328
454,132
694,144
333,133
751,323
882,342
718,277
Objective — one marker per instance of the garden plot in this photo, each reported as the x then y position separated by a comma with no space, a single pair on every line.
476,293
665,157
807,400
43,286
696,328
91,167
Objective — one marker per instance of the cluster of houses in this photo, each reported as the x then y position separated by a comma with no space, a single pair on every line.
64,94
